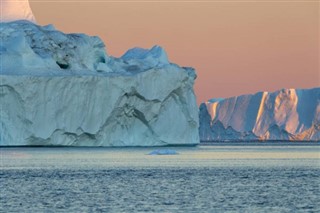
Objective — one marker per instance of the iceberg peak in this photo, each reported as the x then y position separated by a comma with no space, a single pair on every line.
153,57
159,53
16,10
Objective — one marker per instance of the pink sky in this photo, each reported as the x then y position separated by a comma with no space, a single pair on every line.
237,47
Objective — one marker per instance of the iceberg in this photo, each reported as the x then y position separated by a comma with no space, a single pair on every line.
16,10
65,90
164,152
287,114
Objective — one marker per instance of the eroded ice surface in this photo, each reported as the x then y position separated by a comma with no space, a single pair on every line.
63,89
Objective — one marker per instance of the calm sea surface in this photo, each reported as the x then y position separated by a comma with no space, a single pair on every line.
215,178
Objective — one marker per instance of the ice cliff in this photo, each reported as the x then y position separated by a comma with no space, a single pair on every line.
288,114
63,89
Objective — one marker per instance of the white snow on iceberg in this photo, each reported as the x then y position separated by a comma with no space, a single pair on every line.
156,56
27,48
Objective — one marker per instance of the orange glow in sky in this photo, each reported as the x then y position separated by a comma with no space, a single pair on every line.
236,47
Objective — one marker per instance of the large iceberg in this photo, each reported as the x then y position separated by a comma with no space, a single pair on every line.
63,89
288,114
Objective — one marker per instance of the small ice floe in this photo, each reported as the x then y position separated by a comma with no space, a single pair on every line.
164,152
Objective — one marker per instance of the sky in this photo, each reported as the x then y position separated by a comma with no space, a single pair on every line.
236,47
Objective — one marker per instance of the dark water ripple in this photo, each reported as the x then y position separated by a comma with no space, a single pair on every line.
241,189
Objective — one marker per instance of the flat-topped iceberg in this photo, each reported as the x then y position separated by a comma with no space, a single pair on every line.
288,114
63,89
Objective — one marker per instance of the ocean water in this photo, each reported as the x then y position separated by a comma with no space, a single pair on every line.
206,178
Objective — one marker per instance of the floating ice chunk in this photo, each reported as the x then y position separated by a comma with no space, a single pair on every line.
164,152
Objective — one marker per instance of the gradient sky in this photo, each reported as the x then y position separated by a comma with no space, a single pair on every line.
236,47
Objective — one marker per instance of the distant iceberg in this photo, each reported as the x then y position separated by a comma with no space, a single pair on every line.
12,10
288,114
